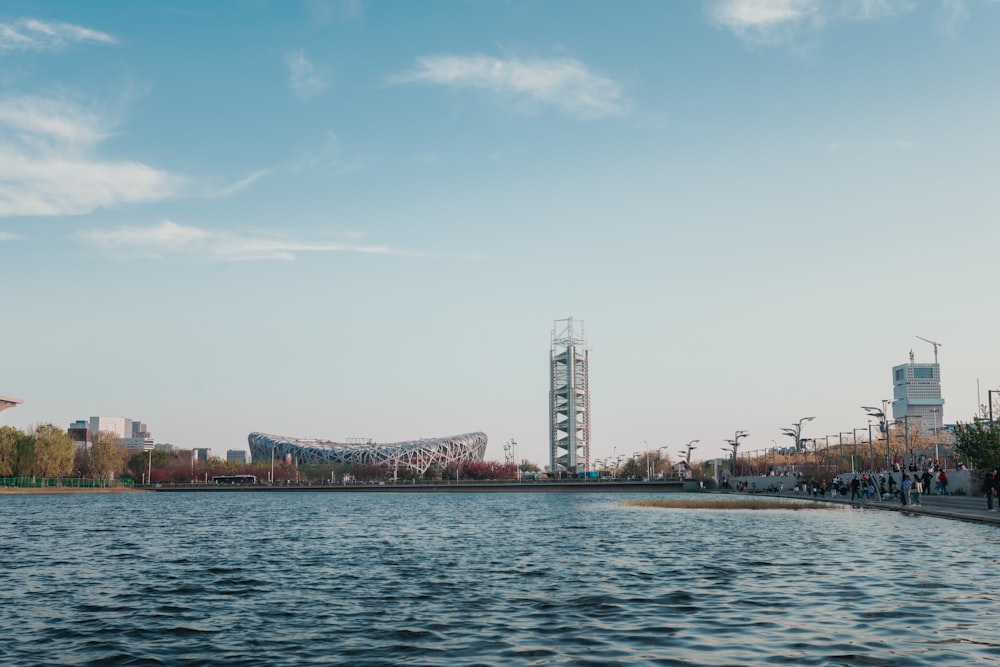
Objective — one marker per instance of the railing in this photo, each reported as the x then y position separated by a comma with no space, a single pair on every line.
65,482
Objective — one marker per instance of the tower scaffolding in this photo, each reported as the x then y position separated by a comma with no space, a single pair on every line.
569,398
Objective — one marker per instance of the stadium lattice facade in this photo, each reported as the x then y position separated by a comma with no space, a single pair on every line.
417,455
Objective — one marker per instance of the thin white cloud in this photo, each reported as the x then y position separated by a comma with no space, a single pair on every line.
780,21
48,163
27,34
169,237
52,121
302,76
9,236
740,15
953,14
243,183
564,83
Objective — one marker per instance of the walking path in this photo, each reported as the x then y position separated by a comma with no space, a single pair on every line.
962,508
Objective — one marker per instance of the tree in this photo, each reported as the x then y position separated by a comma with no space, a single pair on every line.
979,441
107,457
53,451
10,444
24,456
142,462
528,466
633,469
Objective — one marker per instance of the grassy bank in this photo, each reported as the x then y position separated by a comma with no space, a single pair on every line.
725,504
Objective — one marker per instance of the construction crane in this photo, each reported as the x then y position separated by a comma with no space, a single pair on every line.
936,346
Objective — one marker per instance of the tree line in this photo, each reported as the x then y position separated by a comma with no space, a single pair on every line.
48,451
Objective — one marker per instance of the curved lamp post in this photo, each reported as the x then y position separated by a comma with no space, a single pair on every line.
735,444
795,431
883,424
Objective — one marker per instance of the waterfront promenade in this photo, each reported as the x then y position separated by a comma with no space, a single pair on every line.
962,508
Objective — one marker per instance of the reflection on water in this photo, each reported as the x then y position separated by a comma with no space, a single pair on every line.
425,579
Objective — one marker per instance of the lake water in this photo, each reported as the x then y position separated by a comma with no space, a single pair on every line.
485,579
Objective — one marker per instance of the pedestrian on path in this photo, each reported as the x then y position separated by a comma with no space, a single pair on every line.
989,488
942,483
904,490
916,488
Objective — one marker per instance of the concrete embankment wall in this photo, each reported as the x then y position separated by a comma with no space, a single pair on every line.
962,481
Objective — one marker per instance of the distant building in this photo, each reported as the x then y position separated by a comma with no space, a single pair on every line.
239,455
569,398
133,435
417,455
115,425
916,393
164,447
201,454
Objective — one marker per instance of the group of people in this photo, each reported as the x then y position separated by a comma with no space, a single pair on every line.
909,489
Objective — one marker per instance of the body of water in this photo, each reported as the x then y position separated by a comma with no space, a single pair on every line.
236,578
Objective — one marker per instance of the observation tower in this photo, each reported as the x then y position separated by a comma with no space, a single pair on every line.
569,398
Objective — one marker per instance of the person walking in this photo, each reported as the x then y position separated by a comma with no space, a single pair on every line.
926,479
904,490
916,488
855,488
989,487
942,481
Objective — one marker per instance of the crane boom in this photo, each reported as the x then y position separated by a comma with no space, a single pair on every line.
936,346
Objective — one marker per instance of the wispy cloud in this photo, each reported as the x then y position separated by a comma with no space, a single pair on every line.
564,83
48,162
33,35
952,16
8,236
242,184
302,76
780,21
168,237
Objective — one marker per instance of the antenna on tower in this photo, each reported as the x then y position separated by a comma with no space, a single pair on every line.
936,346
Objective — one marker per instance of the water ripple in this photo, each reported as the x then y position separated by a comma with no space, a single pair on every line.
476,579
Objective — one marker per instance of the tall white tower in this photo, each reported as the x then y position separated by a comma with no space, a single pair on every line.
916,393
569,398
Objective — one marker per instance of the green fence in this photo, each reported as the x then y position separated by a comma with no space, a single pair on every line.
65,482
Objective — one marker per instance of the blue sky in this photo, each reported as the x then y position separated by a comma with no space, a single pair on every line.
360,219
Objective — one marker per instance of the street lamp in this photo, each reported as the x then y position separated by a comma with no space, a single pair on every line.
795,432
989,399
690,446
883,426
735,444
856,447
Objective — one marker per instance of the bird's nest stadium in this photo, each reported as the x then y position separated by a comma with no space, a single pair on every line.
417,455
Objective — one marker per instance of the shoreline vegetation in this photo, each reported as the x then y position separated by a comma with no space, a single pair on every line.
50,490
725,504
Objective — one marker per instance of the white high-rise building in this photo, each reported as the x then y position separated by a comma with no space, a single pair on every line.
116,425
916,393
132,434
569,399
